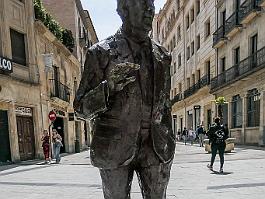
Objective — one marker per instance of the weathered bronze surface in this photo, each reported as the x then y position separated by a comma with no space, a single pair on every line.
132,124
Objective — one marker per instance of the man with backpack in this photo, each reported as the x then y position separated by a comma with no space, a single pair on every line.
200,133
217,135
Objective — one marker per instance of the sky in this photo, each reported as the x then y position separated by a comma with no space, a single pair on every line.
104,16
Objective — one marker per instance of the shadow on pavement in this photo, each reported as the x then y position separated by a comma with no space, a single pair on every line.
222,174
52,184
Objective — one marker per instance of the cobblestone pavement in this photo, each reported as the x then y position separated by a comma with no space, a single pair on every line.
75,178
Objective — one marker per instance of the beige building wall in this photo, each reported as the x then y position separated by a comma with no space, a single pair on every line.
21,87
240,36
25,92
188,30
75,19
69,75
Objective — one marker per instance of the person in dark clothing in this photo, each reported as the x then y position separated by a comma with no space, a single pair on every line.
185,135
217,135
200,133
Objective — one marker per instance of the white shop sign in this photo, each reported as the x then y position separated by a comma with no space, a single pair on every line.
23,111
6,65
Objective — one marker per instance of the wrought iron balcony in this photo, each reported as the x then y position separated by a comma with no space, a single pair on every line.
219,37
248,10
59,90
232,24
204,81
246,67
177,98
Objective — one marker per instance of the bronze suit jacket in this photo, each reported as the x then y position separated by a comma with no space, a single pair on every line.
115,131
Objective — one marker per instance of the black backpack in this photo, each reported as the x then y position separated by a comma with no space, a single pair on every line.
219,135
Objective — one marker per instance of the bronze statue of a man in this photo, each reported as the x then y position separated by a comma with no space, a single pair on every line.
125,89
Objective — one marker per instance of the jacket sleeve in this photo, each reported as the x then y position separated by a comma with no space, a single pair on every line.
93,75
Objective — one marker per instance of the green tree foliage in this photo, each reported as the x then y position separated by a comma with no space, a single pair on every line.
63,35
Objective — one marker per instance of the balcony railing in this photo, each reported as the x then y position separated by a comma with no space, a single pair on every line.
204,81
177,98
246,67
218,35
232,22
248,7
59,90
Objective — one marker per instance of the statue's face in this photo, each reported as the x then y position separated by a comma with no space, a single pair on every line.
141,14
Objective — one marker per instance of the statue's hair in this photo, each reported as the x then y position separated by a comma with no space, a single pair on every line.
121,4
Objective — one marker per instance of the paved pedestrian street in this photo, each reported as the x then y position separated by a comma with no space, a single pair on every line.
75,177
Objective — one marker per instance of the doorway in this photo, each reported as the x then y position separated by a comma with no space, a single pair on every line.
26,140
190,119
59,126
5,153
181,124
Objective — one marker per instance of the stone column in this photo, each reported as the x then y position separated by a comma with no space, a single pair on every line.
244,118
13,136
262,123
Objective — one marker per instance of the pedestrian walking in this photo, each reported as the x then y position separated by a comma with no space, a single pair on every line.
46,145
192,135
217,135
57,144
185,135
200,132
179,135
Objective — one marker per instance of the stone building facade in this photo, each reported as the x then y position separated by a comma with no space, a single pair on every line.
185,28
76,19
28,91
20,113
239,41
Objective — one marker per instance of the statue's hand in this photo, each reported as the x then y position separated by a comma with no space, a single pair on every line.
119,76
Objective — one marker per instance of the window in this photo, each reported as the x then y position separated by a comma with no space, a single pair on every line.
175,91
192,48
187,21
253,108
198,42
188,82
175,67
222,66
179,33
207,26
180,87
253,49
237,117
193,79
236,56
198,75
179,60
208,70
254,44
188,53
237,4
18,47
192,15
223,17
198,7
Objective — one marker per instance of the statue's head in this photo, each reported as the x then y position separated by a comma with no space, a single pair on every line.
136,15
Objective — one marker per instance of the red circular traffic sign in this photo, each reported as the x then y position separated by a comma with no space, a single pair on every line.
52,116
